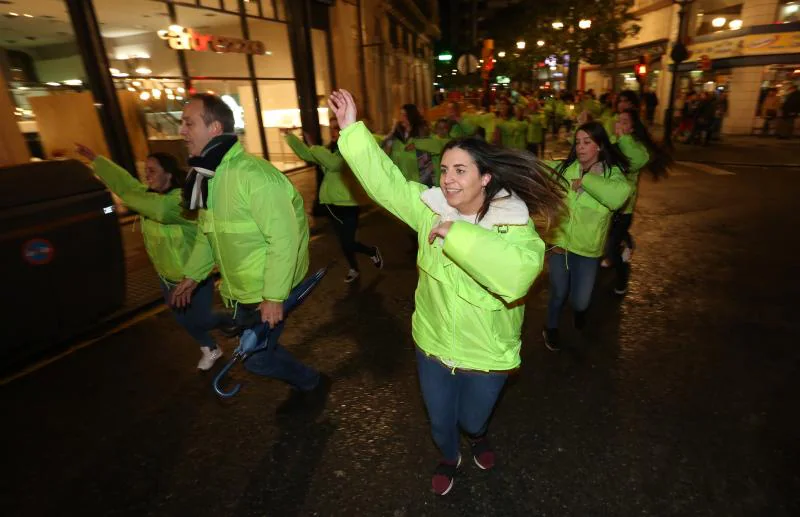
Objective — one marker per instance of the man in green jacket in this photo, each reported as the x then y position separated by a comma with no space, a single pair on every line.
252,225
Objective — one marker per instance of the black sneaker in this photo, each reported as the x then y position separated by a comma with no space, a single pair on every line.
377,258
551,339
579,319
312,401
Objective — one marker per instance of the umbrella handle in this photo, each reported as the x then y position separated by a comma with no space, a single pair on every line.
222,373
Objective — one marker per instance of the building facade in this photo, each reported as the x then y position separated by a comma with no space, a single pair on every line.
742,47
114,73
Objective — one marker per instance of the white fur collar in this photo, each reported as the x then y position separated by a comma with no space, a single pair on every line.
504,209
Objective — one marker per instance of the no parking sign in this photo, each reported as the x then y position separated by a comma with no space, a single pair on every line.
38,252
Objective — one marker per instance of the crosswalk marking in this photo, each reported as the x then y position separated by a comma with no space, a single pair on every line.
714,171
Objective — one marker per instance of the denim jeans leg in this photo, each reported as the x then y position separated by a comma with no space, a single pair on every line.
477,398
559,288
277,363
198,318
582,272
440,392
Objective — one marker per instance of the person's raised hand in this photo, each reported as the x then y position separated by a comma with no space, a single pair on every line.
344,107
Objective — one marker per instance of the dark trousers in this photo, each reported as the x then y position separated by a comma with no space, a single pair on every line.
457,399
571,276
345,223
198,318
620,234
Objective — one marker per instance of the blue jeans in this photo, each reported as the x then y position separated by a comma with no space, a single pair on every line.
277,363
456,398
199,316
570,275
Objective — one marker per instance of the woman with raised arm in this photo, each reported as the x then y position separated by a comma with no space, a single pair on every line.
168,237
479,253
595,170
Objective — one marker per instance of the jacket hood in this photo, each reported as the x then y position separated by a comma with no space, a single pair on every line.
505,209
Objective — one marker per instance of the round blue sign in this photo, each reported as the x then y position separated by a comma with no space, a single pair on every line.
38,251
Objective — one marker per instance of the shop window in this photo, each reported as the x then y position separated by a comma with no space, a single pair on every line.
280,113
789,11
719,20
276,62
238,95
50,101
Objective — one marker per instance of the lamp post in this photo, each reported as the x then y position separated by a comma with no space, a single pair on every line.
679,54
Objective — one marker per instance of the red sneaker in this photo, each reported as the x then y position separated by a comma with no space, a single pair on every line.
482,454
443,476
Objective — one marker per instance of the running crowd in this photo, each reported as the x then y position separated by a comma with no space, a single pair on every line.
486,212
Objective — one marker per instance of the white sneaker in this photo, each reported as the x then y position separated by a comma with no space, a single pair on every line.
209,357
351,276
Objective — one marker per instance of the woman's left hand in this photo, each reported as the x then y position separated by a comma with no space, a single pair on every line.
344,107
439,230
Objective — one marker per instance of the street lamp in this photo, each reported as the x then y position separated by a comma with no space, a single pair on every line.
558,25
501,54
585,24
718,22
540,43
521,45
679,54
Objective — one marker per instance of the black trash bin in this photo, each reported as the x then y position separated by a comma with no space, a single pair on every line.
61,254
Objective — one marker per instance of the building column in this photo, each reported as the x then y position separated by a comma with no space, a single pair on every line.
743,100
759,12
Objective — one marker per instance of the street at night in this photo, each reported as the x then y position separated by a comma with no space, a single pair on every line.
678,399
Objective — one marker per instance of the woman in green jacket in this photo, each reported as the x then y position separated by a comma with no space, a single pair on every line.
337,197
595,170
638,146
510,131
479,253
416,166
168,238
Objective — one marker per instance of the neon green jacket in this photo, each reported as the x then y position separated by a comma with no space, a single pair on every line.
255,229
433,144
168,236
536,124
609,120
468,303
584,228
334,189
406,161
513,133
637,154
469,125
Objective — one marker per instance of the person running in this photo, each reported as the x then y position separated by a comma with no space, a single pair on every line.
479,253
168,237
416,166
434,145
595,170
253,226
635,142
337,197
536,128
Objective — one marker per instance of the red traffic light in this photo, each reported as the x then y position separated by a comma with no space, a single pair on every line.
641,69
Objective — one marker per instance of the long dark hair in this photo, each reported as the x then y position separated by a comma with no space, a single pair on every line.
170,165
519,172
610,155
660,159
419,127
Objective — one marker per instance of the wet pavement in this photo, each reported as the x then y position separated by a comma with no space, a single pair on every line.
680,399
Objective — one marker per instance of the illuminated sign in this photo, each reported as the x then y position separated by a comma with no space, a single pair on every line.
180,38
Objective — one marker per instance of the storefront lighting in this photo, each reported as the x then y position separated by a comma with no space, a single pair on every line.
179,98
26,15
791,8
181,90
156,93
521,45
175,28
439,76
131,89
23,88
52,83
553,67
558,26
170,97
540,43
168,91
144,96
143,70
137,83
114,71
73,82
12,14
268,52
735,25
501,54
718,21
585,24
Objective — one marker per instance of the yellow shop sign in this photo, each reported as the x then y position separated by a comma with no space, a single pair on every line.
748,45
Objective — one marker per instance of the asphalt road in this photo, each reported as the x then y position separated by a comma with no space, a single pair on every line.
680,399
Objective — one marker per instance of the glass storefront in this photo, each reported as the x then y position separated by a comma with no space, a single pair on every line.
159,52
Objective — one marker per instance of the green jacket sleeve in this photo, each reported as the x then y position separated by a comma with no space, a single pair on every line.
163,208
430,144
505,266
611,191
380,177
201,259
635,151
271,206
315,154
